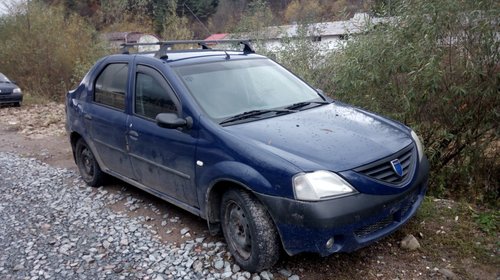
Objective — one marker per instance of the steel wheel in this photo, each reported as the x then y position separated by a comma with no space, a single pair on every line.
239,232
249,231
87,165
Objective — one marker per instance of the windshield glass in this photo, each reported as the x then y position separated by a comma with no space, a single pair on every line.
3,78
228,88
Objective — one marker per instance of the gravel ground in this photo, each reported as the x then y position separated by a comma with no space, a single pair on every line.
53,226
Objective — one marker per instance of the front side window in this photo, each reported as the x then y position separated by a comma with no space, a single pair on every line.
228,88
111,86
153,95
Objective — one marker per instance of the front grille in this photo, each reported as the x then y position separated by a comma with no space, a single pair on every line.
382,170
369,229
5,91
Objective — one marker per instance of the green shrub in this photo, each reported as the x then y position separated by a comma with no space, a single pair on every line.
45,50
435,67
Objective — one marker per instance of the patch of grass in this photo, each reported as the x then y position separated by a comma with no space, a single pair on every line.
454,229
30,98
487,221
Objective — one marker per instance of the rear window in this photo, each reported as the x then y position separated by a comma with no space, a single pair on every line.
111,86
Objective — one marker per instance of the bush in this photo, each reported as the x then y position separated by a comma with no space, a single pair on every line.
45,50
435,67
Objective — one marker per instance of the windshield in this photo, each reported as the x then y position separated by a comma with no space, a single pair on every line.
3,78
228,88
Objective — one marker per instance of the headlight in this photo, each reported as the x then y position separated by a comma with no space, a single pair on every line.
17,90
320,185
420,148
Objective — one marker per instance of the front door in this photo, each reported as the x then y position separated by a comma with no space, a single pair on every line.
163,159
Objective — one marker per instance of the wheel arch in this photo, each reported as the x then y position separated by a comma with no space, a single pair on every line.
214,199
74,137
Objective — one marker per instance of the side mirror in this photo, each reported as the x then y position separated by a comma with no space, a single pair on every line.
170,120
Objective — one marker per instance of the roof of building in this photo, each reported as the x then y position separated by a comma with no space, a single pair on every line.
217,36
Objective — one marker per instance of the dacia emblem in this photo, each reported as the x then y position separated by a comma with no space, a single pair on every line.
396,166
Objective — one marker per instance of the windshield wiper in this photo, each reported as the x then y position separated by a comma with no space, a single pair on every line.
304,104
254,113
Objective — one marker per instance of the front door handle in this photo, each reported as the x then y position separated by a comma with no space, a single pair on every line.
87,116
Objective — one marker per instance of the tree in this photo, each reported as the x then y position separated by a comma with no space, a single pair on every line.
435,67
255,18
227,15
202,9
174,27
303,11
47,50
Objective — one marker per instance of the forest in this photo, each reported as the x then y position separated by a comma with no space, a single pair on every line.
202,17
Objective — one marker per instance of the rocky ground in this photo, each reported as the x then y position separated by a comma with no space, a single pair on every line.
55,227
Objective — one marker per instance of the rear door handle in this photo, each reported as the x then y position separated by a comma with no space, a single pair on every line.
133,134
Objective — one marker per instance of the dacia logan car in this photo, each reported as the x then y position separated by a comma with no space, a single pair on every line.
240,141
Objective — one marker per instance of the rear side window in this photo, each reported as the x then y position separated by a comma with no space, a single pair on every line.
153,95
111,85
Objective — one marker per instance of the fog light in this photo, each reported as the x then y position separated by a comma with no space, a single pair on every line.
329,243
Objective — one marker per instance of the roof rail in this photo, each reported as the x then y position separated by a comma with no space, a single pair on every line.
166,45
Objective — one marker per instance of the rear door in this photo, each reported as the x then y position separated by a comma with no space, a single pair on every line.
163,159
107,120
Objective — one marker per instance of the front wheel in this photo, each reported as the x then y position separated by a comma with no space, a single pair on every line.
249,231
87,165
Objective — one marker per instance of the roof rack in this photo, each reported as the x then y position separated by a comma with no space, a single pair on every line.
166,45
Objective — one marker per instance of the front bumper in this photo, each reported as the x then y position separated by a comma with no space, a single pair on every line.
353,221
11,98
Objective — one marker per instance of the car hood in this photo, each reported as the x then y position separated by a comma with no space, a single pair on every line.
7,87
333,137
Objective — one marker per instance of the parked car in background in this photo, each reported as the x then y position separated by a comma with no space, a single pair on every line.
237,139
10,93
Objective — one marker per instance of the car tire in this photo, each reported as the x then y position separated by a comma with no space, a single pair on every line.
249,231
87,165
17,104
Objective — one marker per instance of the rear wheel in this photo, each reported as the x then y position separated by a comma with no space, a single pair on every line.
17,104
87,165
249,231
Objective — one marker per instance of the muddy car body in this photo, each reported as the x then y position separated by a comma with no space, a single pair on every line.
237,139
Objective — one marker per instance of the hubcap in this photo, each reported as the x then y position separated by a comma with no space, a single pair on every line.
87,163
238,230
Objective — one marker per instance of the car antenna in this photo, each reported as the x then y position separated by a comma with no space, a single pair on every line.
196,17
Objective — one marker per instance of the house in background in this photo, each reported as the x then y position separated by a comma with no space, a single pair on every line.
217,36
329,36
115,39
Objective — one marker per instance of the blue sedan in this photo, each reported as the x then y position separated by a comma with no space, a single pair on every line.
10,93
240,141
